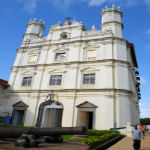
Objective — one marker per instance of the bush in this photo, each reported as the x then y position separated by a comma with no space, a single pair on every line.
145,121
97,137
101,132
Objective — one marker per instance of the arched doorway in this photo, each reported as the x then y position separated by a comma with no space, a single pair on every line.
50,114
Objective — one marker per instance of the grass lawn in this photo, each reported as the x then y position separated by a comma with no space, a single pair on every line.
68,138
95,137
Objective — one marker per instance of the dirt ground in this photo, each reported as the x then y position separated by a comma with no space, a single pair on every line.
8,145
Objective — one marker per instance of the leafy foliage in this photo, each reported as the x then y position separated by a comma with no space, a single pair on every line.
101,132
93,141
97,137
145,121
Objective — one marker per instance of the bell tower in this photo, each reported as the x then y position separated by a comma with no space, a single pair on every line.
111,20
34,29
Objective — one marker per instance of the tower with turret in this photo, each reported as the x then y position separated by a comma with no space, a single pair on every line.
34,29
111,20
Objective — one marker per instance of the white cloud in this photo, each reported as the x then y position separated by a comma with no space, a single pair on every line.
122,3
143,80
148,33
29,5
145,109
61,4
96,2
64,4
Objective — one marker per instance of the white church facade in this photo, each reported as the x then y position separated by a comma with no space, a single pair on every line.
74,77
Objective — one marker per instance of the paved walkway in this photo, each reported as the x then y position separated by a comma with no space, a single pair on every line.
127,144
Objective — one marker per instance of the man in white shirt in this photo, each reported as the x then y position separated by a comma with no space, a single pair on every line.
136,136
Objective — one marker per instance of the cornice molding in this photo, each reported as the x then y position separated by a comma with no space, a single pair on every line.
76,62
71,90
70,41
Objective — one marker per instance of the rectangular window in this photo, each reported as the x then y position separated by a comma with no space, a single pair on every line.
26,81
55,80
91,55
60,56
33,58
89,78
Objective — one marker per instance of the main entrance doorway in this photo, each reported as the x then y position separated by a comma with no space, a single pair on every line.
50,114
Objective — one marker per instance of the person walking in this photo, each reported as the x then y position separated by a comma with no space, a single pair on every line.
142,127
136,136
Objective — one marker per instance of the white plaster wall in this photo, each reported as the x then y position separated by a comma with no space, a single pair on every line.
68,104
42,57
120,51
123,110
17,60
108,49
103,115
121,78
73,54
101,52
33,29
12,77
69,81
111,16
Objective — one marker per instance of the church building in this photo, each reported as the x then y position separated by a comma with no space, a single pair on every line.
74,76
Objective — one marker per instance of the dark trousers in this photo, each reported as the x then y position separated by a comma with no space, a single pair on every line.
136,144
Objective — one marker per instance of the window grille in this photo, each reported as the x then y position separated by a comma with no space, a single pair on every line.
60,56
26,81
89,78
55,80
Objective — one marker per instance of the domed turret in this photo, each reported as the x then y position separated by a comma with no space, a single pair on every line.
34,29
111,20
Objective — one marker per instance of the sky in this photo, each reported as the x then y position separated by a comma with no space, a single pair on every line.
15,15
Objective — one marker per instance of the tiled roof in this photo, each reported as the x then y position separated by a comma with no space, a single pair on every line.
4,83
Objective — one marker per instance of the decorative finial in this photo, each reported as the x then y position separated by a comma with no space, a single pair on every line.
40,21
68,18
93,27
34,20
67,22
106,7
59,23
118,8
102,10
73,21
113,6
30,21
80,22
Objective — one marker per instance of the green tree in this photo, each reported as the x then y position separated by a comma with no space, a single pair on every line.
145,121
